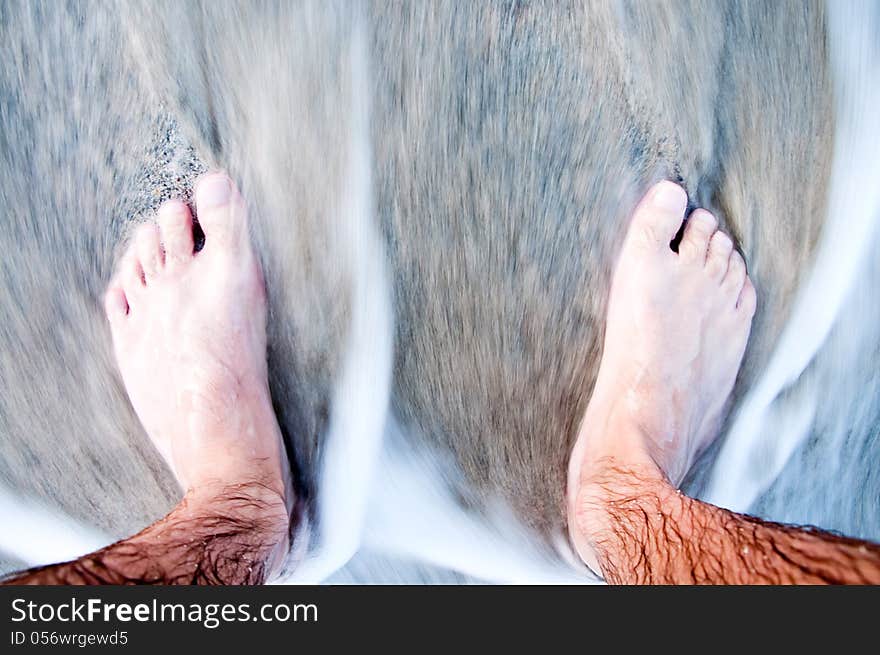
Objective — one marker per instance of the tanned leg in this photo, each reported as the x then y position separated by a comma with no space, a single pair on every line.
676,331
189,333
643,531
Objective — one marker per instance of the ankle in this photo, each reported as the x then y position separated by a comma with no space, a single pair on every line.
259,505
246,450
259,500
610,461
608,483
609,433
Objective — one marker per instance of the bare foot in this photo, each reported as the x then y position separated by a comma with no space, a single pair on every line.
189,332
675,335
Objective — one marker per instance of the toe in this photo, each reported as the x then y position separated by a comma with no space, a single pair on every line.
748,299
220,209
148,250
131,276
701,225
659,215
720,247
115,304
175,227
736,275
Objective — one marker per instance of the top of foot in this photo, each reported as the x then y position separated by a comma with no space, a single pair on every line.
675,335
189,334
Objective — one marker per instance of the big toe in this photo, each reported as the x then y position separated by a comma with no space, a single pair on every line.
659,216
220,209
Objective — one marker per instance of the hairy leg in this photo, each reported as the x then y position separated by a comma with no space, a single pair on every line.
189,333
224,535
644,531
676,331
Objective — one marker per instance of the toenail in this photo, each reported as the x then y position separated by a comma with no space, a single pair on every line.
670,197
213,191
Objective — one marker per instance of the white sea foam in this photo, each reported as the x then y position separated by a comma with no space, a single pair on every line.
35,534
767,430
360,399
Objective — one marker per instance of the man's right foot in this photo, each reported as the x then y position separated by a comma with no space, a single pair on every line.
675,335
189,333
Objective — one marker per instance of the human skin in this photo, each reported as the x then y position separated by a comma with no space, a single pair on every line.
189,334
644,531
231,535
677,327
